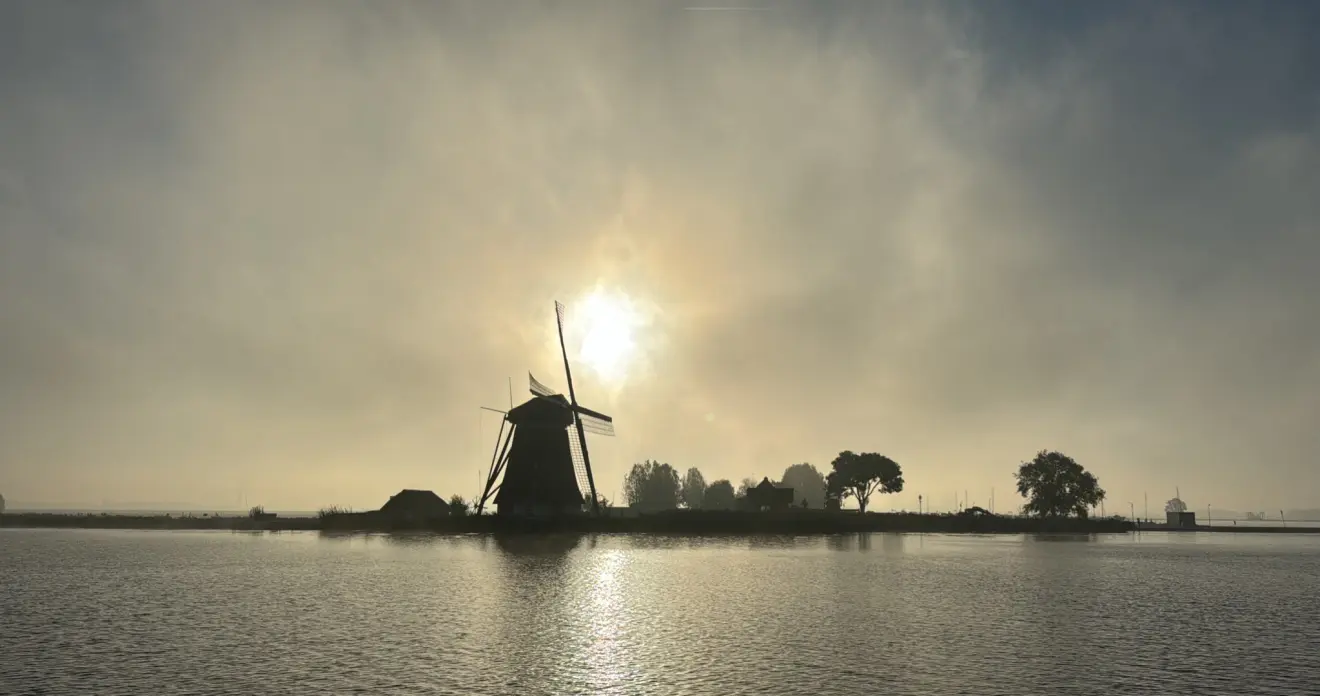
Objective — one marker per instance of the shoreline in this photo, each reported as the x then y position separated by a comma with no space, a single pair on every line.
687,522
1232,529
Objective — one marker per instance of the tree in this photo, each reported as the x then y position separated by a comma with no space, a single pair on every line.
652,486
719,496
457,505
1175,505
746,485
1055,485
693,490
860,475
807,483
601,501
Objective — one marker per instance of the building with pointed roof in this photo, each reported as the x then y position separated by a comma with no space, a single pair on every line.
768,496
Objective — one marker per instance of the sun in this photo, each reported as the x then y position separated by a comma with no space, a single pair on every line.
608,324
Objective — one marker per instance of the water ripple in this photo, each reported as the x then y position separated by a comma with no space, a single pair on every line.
88,612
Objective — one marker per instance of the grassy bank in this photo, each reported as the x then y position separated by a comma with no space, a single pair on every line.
49,520
670,522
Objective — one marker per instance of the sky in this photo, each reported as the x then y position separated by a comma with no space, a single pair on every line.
280,253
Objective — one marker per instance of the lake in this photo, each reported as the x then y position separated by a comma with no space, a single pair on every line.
114,612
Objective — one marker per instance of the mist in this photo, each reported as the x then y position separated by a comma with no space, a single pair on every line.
282,252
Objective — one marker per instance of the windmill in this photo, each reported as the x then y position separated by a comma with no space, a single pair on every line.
540,461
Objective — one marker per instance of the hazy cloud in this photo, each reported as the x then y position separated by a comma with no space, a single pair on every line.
288,248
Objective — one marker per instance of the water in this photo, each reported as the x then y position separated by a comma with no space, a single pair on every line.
110,612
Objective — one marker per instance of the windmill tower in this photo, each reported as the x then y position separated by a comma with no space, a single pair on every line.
540,464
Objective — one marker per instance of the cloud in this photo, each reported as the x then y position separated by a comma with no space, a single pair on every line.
288,249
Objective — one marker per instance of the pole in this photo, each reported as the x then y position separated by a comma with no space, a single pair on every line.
510,393
1145,497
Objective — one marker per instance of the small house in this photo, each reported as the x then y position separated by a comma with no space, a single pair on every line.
768,496
415,505
1181,520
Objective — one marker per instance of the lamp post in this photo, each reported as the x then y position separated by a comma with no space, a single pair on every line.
1209,521
1132,511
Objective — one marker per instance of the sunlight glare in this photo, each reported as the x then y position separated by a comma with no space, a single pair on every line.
609,323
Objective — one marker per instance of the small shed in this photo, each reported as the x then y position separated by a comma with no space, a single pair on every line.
1181,520
415,505
768,496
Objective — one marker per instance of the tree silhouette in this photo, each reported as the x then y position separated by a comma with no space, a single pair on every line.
457,505
693,489
1055,485
746,485
860,475
719,496
1175,505
652,486
807,483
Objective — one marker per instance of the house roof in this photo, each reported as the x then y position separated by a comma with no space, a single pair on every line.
416,501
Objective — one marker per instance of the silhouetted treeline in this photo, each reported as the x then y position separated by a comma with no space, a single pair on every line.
795,521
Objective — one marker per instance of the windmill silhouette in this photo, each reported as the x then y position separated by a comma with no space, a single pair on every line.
539,466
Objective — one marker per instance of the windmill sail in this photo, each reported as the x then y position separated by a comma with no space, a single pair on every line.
579,466
540,389
596,426
572,400
594,421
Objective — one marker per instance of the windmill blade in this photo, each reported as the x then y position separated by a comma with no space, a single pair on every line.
540,389
572,399
584,411
596,425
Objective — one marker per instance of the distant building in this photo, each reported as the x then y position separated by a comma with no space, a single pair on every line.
415,505
767,496
1180,519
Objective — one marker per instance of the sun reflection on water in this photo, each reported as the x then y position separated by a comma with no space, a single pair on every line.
609,642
